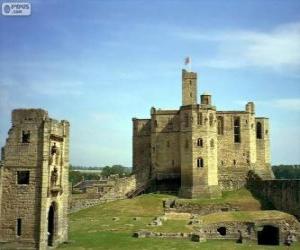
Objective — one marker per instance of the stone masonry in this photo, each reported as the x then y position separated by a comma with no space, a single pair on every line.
34,185
199,147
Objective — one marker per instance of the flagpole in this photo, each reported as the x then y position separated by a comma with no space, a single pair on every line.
190,65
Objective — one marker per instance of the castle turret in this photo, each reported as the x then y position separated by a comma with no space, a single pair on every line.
189,88
205,99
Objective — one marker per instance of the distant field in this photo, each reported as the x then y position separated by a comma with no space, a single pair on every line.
95,228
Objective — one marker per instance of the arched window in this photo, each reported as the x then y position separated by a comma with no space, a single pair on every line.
155,124
237,130
186,120
200,142
211,119
258,130
220,125
212,144
200,162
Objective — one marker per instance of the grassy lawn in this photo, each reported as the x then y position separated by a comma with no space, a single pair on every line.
111,225
117,240
242,198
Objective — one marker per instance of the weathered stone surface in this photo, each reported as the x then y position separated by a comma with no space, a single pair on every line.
38,145
198,149
118,189
284,195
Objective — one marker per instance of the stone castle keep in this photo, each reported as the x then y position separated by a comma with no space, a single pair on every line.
199,150
34,185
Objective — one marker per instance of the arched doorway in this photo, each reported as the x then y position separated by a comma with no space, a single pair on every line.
51,224
269,235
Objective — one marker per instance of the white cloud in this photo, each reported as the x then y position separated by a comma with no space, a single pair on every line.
289,104
274,49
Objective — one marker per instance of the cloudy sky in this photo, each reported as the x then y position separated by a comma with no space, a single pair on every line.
100,63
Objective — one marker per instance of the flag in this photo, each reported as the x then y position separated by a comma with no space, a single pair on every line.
187,60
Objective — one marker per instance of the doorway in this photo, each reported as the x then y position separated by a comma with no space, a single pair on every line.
269,235
51,224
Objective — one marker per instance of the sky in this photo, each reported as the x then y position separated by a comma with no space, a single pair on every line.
98,64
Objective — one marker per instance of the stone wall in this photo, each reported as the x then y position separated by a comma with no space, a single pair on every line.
249,229
283,194
118,191
194,208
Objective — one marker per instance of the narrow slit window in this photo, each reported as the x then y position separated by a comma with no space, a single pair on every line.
220,125
19,227
211,119
199,119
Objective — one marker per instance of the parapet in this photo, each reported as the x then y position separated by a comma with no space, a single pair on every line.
188,75
30,115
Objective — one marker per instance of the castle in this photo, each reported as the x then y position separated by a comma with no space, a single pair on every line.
34,184
198,150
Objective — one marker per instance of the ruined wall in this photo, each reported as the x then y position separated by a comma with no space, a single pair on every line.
121,187
283,194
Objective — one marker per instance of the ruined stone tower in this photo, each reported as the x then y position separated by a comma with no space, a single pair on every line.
34,181
197,150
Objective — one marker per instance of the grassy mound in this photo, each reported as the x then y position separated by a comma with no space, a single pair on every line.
111,225
241,198
246,216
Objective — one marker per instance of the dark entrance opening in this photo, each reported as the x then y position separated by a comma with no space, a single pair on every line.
269,235
222,231
51,224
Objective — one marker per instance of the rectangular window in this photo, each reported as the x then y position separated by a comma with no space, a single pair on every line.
23,177
19,227
236,130
25,136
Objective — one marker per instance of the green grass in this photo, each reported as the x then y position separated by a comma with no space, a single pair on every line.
94,228
242,198
117,241
245,216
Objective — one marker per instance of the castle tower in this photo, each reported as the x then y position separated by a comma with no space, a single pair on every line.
34,182
198,146
189,88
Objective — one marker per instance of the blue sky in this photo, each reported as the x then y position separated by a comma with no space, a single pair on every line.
100,63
